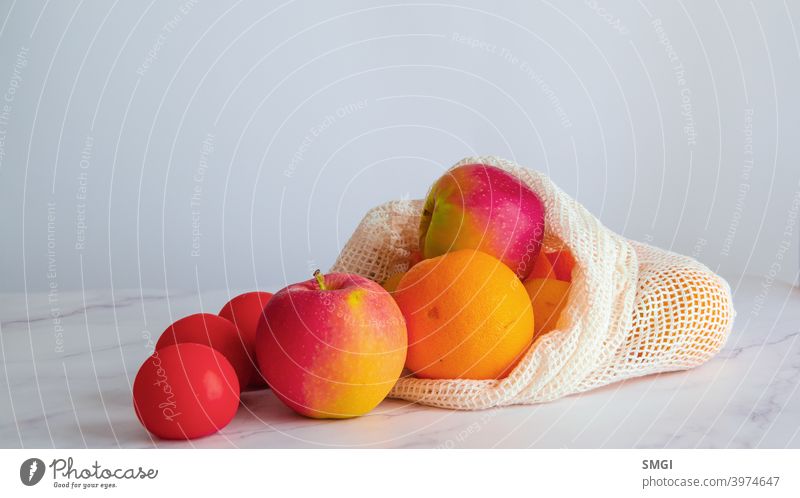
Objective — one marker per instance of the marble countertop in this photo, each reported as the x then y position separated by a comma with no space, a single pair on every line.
69,358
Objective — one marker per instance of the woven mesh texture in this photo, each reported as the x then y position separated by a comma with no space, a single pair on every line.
632,309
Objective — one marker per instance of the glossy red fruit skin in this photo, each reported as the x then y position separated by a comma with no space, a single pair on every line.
563,264
185,391
246,311
481,206
216,332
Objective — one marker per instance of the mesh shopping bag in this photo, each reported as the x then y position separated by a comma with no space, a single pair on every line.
632,309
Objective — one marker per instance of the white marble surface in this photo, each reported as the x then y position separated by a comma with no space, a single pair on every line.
80,396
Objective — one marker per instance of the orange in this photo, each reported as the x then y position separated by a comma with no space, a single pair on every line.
548,297
467,314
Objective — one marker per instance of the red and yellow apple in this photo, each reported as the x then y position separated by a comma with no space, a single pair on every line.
478,206
333,346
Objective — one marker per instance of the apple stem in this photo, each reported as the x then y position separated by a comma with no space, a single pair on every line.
320,279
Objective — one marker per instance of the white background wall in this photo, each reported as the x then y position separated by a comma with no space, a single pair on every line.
674,122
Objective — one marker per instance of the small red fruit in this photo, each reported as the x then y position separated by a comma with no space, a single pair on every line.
216,332
563,264
245,311
185,391
542,268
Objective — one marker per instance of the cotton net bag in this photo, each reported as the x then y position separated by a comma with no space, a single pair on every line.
632,309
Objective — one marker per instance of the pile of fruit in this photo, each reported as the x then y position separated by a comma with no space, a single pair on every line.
479,291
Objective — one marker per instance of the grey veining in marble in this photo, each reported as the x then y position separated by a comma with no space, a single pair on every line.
68,364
